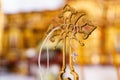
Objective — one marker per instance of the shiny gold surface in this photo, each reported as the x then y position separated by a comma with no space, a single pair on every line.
70,30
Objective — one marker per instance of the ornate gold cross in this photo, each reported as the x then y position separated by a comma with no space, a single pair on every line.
68,30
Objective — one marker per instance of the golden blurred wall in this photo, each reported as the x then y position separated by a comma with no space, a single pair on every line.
26,30
1,27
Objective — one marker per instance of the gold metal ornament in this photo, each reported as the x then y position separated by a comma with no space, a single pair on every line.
68,30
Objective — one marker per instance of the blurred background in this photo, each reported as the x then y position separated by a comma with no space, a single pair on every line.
23,25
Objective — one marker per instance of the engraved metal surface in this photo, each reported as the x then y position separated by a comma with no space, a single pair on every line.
69,28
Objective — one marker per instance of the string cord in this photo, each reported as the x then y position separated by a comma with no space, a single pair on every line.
74,47
40,51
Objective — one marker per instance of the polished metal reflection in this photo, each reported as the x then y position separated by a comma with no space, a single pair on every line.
68,30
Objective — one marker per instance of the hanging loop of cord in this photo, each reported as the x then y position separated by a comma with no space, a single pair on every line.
39,57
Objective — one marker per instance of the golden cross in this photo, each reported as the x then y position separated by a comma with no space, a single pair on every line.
68,29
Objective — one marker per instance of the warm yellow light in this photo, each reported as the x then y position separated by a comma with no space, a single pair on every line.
1,26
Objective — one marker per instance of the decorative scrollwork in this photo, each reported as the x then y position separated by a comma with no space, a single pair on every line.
69,28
